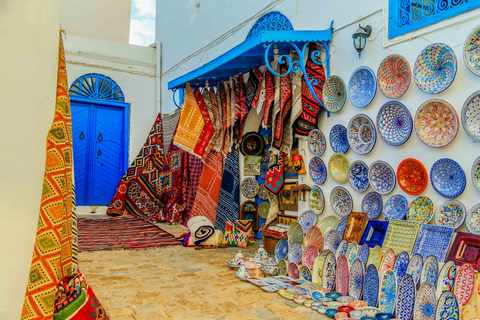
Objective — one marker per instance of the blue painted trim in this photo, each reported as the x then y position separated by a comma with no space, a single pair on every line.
271,21
97,86
400,17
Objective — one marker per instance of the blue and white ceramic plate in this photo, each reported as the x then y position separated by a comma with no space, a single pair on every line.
332,240
394,123
355,284
382,177
352,252
362,87
396,207
447,307
358,176
471,116
307,220
476,173
387,295
405,297
281,249
342,248
473,220
318,171
433,241
328,273
363,254
341,201
425,302
361,134
371,285
316,142
415,268
341,225
448,178
295,252
372,204
401,265
451,214
430,271
446,277
339,139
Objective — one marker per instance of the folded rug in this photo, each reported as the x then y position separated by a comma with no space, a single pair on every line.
201,228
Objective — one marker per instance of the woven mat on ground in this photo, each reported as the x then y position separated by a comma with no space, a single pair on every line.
124,232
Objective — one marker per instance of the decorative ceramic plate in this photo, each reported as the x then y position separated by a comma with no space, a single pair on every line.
262,192
358,176
341,275
435,68
401,235
338,167
282,268
421,210
308,257
447,307
393,76
362,87
451,214
352,252
327,224
355,224
436,123
317,200
372,204
305,274
363,254
464,283
405,297
471,51
295,252
448,178
342,225
388,292
332,240
361,134
341,201
293,271
334,94
313,237
295,233
430,271
388,261
433,241
249,187
476,174
328,273
318,171
375,257
272,280
318,267
415,268
394,123
382,177
307,220
338,139
396,207
355,285
342,249
374,234
412,176
473,220
371,285
263,209
316,142
446,277
273,288
258,282
281,249
286,294
471,116
401,265
425,303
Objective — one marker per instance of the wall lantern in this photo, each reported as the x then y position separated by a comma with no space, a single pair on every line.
360,38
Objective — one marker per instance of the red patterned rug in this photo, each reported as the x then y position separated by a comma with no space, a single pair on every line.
124,232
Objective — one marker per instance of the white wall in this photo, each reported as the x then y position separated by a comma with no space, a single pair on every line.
29,32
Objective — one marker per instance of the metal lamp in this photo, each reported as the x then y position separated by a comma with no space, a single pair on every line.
360,38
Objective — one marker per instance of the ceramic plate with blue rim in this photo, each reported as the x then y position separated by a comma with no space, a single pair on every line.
342,248
316,142
295,252
332,240
451,214
415,268
433,241
447,307
328,273
363,254
327,224
448,178
361,134
394,123
358,175
362,86
317,200
371,285
430,271
339,139
382,177
405,297
374,233
473,220
281,249
307,220
471,116
341,201
372,204
318,171
476,173
401,265
396,207
446,278
334,94
352,252
387,295
425,302
355,284
341,225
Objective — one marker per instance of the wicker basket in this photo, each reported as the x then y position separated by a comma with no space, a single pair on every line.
270,241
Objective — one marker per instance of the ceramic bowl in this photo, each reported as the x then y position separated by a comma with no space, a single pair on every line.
324,301
269,269
321,309
341,315
308,303
358,304
384,315
346,309
331,312
333,295
345,300
301,298
334,304
317,294
357,314
368,318
370,311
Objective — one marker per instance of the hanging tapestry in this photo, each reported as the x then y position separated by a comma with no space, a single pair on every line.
220,116
296,103
53,256
169,124
273,211
269,98
191,123
274,179
207,130
229,199
285,106
277,101
223,97
237,128
261,95
243,105
195,167
256,97
228,118
208,105
251,88
218,122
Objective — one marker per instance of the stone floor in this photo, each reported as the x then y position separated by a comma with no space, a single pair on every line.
181,283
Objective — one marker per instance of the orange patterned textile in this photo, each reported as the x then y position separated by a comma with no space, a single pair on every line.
54,254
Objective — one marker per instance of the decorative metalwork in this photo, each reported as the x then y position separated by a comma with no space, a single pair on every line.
97,86
272,21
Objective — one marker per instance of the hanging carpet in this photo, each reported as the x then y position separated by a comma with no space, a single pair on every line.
169,124
207,132
274,180
269,98
195,168
285,106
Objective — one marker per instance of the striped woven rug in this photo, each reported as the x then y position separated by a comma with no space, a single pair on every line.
124,232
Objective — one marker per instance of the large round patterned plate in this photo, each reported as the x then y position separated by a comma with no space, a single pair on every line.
308,257
412,176
447,307
338,167
471,51
305,274
307,220
317,200
476,173
375,256
430,271
293,271
473,220
342,225
341,201
295,233
394,123
363,254
388,292
282,268
393,76
327,224
415,268
355,285
382,177
338,139
421,210
263,209
358,176
451,214
361,134
425,303
341,275
295,252
448,178
446,277
464,283
249,187
262,192
328,272
281,249
313,237
342,248
318,171
318,267
401,265
388,261
436,123
334,94
471,116
396,207
435,68
405,297
371,285
362,87
316,142
352,252
332,240
372,204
